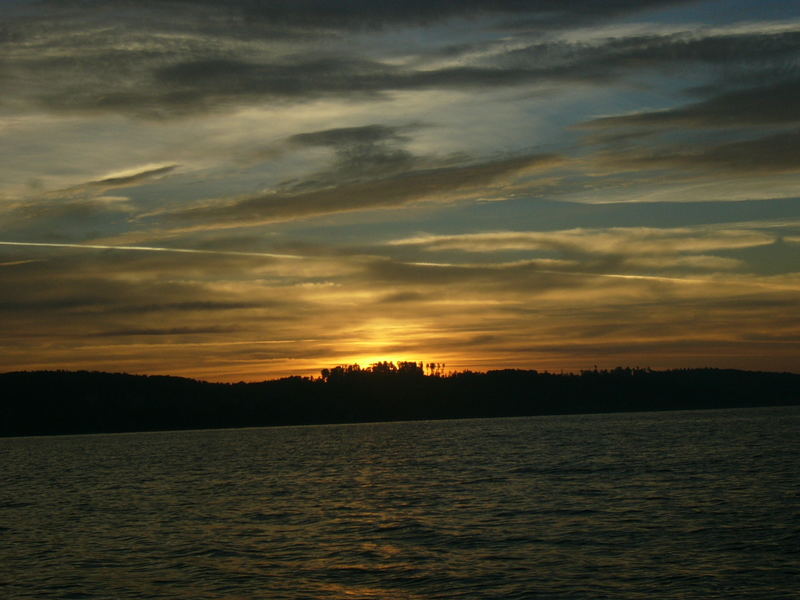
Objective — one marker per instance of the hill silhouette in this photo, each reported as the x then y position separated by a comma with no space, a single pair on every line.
63,402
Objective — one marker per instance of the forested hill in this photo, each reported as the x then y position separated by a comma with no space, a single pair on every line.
57,402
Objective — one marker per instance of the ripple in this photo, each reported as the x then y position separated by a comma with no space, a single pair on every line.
484,509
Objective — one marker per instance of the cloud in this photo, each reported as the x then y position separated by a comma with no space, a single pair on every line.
199,83
170,331
121,179
93,293
362,152
761,105
772,154
150,311
348,136
90,246
72,213
305,15
617,54
501,283
624,252
62,219
746,144
281,112
443,183
167,66
685,263
622,241
131,177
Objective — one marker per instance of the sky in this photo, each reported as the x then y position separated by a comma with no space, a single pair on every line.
248,190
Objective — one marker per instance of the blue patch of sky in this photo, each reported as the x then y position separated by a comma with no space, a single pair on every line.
771,259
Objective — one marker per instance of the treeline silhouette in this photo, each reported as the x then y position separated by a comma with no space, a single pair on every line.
62,402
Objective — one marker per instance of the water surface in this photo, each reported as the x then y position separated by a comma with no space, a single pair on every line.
700,504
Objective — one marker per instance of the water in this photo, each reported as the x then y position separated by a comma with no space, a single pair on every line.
625,506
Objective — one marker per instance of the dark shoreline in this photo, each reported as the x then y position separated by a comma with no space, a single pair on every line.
80,402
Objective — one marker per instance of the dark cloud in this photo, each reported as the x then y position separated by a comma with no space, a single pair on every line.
165,331
758,49
772,154
360,14
193,306
542,62
192,84
300,76
62,219
20,307
771,104
361,153
405,297
387,192
199,85
367,134
614,56
90,296
187,85
159,73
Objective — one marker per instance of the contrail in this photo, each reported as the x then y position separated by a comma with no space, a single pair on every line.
690,280
152,249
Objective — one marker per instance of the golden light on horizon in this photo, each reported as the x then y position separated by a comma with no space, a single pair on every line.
383,340
286,223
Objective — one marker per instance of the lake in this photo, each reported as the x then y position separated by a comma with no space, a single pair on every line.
690,504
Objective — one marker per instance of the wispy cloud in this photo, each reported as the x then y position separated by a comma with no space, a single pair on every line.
776,153
167,68
242,189
440,184
131,177
625,241
757,105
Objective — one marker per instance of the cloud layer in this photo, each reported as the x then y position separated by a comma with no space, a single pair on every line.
249,189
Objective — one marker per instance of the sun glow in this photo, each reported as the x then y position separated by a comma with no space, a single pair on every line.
369,360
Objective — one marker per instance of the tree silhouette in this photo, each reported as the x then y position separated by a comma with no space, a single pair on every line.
49,402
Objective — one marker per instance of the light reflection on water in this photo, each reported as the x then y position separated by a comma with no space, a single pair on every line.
627,506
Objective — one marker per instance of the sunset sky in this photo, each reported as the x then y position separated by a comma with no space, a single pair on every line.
244,190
